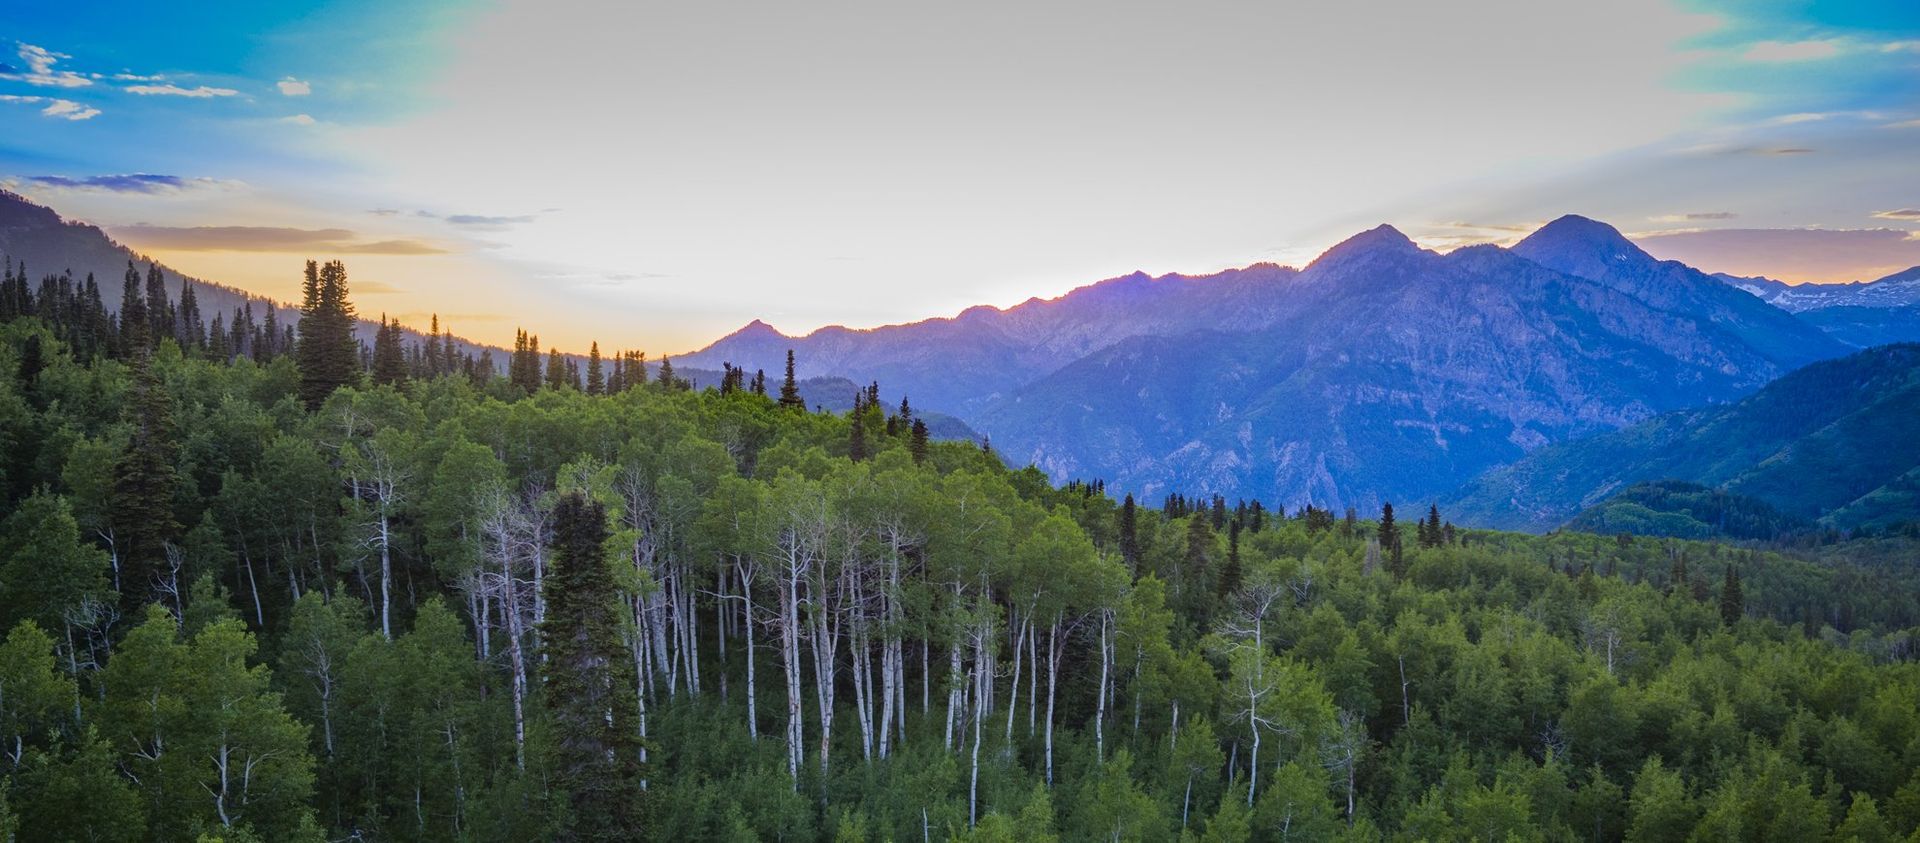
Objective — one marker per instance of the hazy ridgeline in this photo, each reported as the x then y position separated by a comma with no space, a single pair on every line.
318,590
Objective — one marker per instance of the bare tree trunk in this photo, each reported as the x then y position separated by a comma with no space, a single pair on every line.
1100,715
1053,682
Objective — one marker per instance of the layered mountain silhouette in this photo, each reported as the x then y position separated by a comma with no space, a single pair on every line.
1833,441
1382,371
1861,314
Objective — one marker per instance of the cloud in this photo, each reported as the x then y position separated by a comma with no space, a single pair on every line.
293,87
40,71
479,221
250,238
1790,254
63,109
1900,47
375,288
1726,149
1695,217
1902,214
389,247
144,183
172,90
1772,51
384,212
300,120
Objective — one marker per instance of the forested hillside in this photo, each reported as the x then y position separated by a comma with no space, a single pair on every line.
311,594
1832,441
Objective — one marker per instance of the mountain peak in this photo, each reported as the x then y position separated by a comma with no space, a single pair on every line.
1381,239
1574,239
756,330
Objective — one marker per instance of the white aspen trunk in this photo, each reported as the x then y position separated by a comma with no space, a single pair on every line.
1013,695
1100,713
1033,678
1053,682
516,655
983,701
954,692
790,659
722,623
1253,756
386,577
747,624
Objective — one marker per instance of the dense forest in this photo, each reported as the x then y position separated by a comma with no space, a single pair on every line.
267,584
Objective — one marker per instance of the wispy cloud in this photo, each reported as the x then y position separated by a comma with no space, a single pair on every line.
299,120
1902,214
56,107
143,183
171,90
1775,51
1695,217
40,70
294,87
250,238
480,221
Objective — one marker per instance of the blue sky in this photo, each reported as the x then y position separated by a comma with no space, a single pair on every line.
653,175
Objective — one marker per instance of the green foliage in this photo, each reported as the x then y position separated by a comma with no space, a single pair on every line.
573,579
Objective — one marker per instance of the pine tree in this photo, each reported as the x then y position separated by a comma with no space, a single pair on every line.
1130,533
134,324
857,430
667,380
1390,541
596,377
328,355
1733,604
144,483
790,388
760,382
1677,574
556,369
1230,574
389,364
192,331
1432,526
159,308
595,749
917,444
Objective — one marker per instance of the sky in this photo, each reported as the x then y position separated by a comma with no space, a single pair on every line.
654,175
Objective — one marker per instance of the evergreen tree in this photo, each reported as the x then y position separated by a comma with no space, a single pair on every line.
667,380
266,346
556,369
917,444
159,308
1732,602
1390,541
389,365
760,382
857,430
144,484
135,327
790,388
1130,533
328,356
192,331
596,377
595,750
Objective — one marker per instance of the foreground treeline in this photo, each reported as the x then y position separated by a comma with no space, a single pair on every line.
242,602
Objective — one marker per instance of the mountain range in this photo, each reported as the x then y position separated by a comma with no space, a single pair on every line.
1833,441
1381,371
